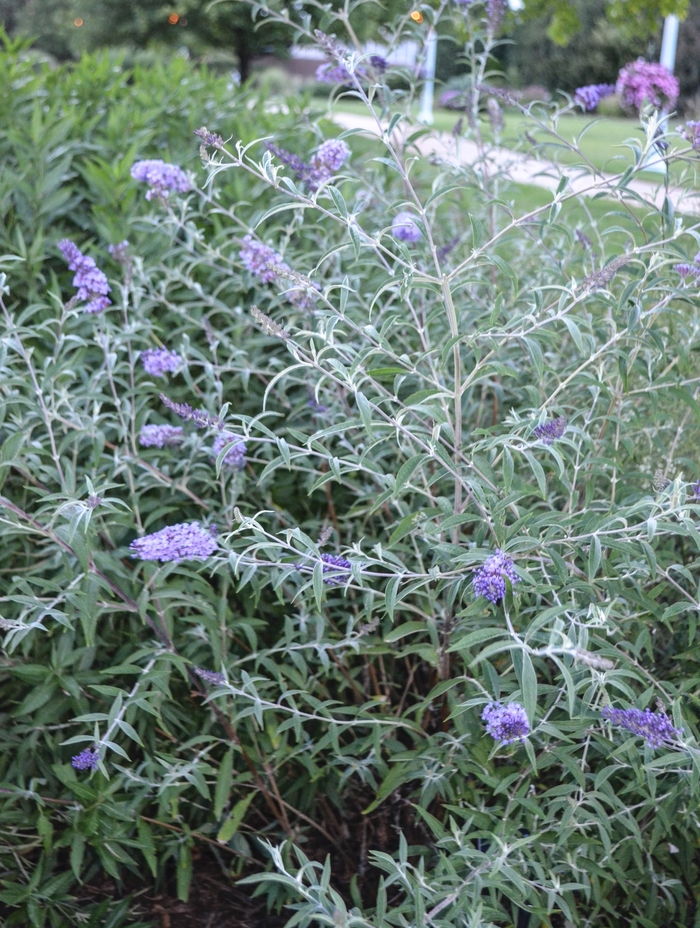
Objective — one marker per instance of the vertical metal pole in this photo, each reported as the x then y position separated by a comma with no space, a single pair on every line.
669,44
426,107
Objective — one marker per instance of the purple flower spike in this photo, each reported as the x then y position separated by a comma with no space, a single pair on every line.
654,727
89,280
162,178
200,417
405,227
160,436
490,578
506,724
235,456
550,431
175,543
590,96
210,676
256,257
86,760
159,361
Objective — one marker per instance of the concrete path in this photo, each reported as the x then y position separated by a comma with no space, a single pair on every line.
526,170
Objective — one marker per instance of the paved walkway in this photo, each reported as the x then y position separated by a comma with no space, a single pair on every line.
526,170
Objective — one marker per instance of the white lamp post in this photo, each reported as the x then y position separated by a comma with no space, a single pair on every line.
426,105
669,43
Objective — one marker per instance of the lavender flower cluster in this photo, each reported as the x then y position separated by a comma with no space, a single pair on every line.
200,417
336,569
160,436
235,456
329,158
86,760
550,431
405,227
179,542
490,578
686,270
210,676
336,73
258,257
506,724
162,178
654,727
89,281
691,133
590,96
159,361
643,80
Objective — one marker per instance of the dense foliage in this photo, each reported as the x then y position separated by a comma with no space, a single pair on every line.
360,524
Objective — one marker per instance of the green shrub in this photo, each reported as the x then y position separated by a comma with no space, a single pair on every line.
332,679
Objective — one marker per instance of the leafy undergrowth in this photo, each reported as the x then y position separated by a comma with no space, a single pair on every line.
351,550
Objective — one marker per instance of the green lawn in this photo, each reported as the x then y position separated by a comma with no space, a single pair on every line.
604,141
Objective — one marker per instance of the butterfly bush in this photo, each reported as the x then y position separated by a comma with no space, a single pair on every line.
425,709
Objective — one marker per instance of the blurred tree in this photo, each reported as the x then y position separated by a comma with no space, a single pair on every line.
640,18
688,61
594,55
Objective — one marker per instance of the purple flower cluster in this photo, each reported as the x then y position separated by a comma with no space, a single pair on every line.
550,431
235,456
691,133
89,281
329,158
689,270
490,578
506,724
256,257
336,569
590,96
405,227
210,676
642,80
654,727
86,760
120,251
209,138
200,417
159,361
162,178
158,436
175,543
335,73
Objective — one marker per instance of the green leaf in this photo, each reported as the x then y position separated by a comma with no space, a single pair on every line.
223,783
184,872
233,822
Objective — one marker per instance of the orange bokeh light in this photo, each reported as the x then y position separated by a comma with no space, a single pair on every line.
173,18
77,22
417,16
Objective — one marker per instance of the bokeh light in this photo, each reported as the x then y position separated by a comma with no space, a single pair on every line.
173,18
417,16
77,21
